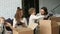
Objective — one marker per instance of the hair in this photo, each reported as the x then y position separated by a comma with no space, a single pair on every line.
17,15
31,10
18,7
45,9
2,18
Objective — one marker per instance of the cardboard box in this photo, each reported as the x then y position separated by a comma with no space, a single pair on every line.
15,32
59,26
57,19
45,27
48,27
55,27
23,31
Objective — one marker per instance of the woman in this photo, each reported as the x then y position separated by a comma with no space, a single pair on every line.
45,13
19,19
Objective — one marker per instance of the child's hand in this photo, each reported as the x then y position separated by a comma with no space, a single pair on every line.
8,24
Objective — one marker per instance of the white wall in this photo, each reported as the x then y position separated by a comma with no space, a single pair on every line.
50,4
8,7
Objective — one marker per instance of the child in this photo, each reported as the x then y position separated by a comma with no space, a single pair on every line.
2,28
33,17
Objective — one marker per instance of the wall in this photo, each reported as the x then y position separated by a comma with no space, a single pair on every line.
8,7
50,4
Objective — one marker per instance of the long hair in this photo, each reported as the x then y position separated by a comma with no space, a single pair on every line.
17,15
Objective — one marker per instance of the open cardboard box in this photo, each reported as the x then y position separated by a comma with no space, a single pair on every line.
23,31
48,27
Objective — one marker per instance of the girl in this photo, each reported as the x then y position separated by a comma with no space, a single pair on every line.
19,19
33,17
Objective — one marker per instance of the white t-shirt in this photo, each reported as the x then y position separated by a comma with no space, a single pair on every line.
45,16
23,21
33,18
39,14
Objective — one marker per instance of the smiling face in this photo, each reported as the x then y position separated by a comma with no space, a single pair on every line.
21,13
42,12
